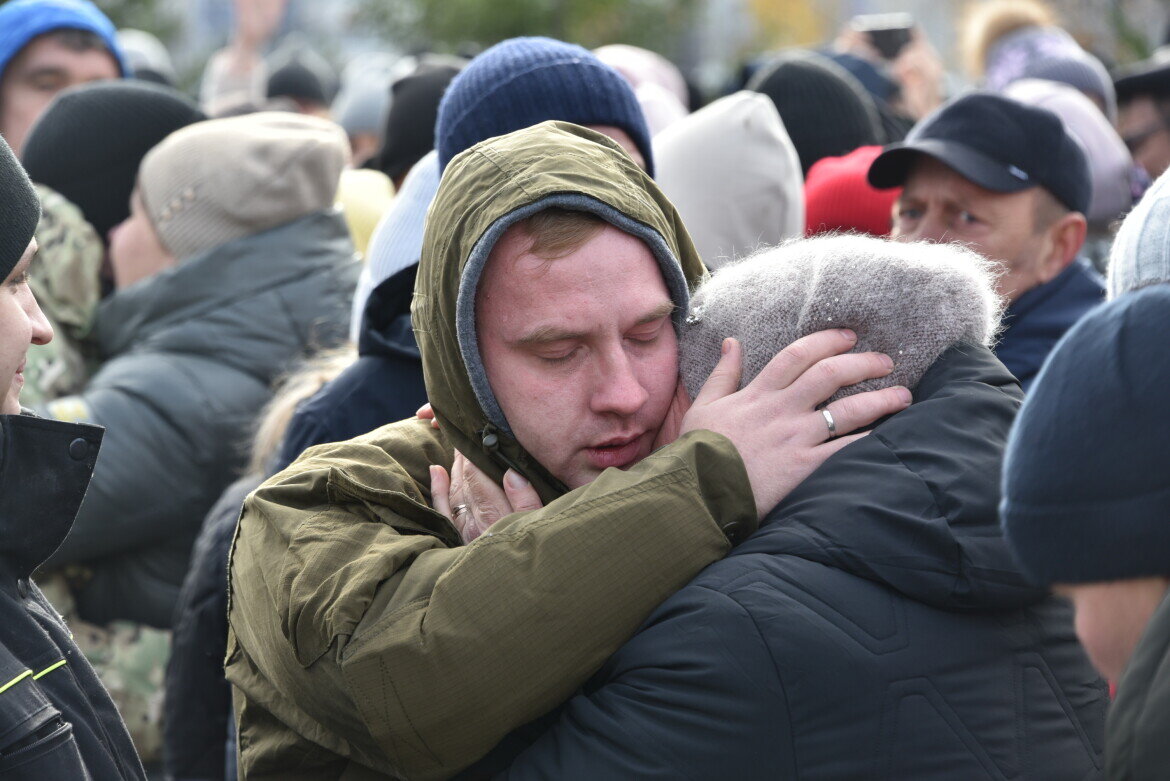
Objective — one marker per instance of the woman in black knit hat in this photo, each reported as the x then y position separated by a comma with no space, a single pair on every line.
56,719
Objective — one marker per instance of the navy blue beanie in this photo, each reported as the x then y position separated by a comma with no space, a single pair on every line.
23,20
1086,487
525,81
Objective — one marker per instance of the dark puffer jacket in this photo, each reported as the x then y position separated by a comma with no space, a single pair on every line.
56,719
874,628
191,355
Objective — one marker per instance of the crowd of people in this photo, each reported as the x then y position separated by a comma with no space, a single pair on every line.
530,416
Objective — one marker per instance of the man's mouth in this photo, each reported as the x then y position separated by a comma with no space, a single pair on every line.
618,452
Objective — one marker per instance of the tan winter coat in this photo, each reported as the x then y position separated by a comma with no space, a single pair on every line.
365,640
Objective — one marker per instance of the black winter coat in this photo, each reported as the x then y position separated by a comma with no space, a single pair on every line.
874,628
56,719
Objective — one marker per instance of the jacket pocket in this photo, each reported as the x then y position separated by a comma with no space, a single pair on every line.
50,752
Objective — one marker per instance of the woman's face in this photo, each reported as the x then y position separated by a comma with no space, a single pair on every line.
22,323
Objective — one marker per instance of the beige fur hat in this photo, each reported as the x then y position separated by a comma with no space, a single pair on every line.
909,301
223,179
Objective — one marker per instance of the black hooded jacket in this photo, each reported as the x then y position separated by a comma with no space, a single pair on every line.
56,719
875,627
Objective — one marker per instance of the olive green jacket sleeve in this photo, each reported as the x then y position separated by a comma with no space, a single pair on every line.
360,623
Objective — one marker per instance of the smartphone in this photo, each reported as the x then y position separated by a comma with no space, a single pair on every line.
888,33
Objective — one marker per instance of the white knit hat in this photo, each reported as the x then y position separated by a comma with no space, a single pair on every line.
909,301
1141,250
220,180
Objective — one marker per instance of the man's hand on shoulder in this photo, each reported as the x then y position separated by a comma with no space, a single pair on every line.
776,421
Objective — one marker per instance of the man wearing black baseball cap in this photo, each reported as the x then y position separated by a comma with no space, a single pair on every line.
1009,181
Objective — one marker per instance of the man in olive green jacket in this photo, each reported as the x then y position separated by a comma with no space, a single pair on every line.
366,639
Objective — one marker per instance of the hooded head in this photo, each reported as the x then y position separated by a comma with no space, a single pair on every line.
733,173
484,192
909,301
525,81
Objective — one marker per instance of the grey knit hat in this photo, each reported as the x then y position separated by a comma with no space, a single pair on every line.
1141,250
909,301
220,180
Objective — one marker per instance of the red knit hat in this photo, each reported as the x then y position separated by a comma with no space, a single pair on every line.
837,196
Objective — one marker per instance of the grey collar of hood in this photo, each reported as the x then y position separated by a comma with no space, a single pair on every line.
668,264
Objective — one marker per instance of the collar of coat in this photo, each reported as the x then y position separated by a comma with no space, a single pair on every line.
45,466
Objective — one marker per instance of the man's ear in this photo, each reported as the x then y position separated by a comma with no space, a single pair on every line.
1064,239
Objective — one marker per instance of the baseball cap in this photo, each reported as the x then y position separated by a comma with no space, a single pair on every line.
999,144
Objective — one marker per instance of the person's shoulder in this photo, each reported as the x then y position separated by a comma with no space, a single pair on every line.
388,467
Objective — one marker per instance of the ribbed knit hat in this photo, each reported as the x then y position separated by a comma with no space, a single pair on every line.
23,20
838,197
826,111
89,142
909,301
1086,491
414,109
20,210
1140,255
525,81
223,179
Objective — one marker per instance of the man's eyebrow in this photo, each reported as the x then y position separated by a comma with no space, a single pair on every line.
657,313
44,70
547,334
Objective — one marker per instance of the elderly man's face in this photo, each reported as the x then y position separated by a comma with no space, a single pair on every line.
1143,126
938,204
22,323
33,77
580,351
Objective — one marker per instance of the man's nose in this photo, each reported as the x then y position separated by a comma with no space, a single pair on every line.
618,388
42,330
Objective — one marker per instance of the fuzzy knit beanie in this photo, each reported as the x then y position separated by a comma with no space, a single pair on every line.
20,210
23,20
96,169
1086,492
525,81
1140,255
223,179
909,301
826,111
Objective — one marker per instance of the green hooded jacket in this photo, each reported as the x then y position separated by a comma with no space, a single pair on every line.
365,640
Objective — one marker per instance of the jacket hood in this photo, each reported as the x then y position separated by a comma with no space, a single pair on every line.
733,173
484,191
45,466
250,303
914,505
